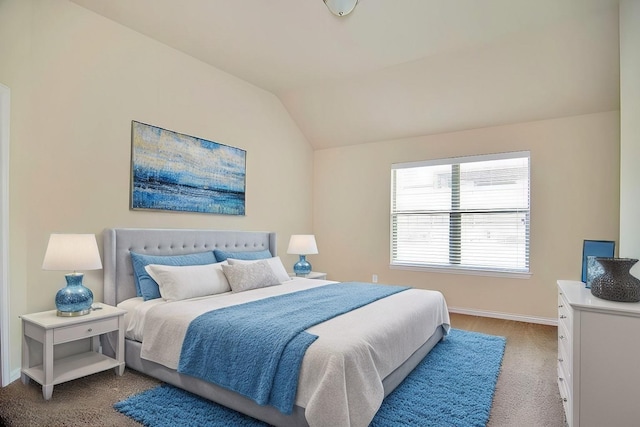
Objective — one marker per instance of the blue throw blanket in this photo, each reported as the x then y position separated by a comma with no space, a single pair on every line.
256,348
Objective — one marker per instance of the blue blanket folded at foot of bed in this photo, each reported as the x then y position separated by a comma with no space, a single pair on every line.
256,348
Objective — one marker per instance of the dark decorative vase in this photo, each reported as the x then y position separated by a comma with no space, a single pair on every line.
616,283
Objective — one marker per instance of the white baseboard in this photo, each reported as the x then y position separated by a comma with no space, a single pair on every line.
505,316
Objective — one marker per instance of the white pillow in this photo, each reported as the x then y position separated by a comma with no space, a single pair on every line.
275,263
253,275
190,281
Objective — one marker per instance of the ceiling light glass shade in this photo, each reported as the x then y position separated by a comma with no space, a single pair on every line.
341,7
73,252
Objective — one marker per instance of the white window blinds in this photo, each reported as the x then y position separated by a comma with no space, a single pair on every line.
462,213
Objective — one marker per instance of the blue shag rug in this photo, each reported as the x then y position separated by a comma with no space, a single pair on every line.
452,386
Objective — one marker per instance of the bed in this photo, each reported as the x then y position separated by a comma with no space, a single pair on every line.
358,358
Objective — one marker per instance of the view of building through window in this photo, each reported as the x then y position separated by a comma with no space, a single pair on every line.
469,213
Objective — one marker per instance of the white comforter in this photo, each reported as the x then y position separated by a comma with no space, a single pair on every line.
341,375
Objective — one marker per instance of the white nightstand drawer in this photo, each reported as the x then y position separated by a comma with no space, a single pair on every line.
84,330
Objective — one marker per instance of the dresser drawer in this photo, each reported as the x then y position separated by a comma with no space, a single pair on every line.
565,378
565,347
84,330
565,313
565,386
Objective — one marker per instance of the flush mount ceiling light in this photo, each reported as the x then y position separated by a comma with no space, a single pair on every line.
341,7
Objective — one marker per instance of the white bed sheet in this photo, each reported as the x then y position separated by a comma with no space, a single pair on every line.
137,309
341,374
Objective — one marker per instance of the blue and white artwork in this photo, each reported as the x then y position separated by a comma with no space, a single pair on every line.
177,172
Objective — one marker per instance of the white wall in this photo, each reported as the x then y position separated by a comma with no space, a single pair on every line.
77,81
630,130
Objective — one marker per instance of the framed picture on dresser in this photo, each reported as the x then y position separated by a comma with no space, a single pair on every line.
592,249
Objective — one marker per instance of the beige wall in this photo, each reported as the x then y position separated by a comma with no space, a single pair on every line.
574,196
77,80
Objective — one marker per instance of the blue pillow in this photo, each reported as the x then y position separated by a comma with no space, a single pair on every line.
146,287
246,255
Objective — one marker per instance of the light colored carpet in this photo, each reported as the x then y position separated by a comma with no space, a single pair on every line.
83,402
526,392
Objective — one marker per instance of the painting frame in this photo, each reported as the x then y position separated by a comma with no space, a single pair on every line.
592,249
172,171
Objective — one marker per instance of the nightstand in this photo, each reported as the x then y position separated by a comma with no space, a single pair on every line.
50,330
312,275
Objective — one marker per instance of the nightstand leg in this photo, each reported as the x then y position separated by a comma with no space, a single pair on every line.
120,370
47,391
120,348
47,364
25,357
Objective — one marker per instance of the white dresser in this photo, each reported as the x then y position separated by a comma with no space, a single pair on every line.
598,358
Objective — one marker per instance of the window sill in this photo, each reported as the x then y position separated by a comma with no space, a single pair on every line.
464,271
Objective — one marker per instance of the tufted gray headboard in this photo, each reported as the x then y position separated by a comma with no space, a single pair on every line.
119,284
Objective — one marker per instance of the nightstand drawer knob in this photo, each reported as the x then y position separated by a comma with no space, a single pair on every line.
560,379
562,316
560,360
561,337
561,305
90,329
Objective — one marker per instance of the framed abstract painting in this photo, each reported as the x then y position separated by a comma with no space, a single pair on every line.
177,172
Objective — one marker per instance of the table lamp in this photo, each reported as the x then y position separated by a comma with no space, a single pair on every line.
73,252
303,245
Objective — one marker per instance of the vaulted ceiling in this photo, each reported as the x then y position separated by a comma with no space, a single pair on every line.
401,68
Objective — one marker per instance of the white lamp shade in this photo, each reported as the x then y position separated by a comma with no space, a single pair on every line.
302,244
72,252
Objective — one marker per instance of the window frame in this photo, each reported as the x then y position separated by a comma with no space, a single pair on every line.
453,268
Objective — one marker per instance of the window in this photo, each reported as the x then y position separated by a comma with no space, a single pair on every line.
467,213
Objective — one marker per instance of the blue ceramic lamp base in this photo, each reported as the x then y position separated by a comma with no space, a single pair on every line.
74,299
302,267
